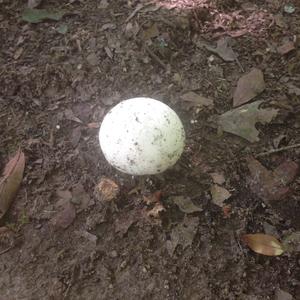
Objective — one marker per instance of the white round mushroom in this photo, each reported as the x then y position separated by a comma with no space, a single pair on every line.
141,136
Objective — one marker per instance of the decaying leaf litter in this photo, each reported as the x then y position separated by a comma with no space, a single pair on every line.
75,217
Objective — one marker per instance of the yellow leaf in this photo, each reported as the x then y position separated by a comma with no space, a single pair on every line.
263,244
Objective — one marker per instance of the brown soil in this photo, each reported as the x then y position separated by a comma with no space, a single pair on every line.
56,87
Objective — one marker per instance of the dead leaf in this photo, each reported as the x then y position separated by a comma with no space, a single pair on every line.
151,32
219,194
263,244
194,99
185,204
11,180
268,185
106,190
279,21
292,89
103,4
88,236
223,49
241,121
182,234
217,178
287,172
286,48
152,198
248,87
69,115
156,210
65,217
18,53
64,194
292,242
33,3
282,295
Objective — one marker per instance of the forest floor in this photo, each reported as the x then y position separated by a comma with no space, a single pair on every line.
183,236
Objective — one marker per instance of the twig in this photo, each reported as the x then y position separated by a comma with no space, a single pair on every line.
137,9
156,58
6,250
277,150
71,282
239,64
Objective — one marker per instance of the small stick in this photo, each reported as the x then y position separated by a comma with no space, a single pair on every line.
137,9
6,250
277,150
156,58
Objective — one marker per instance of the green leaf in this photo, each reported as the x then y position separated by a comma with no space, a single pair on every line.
241,121
33,15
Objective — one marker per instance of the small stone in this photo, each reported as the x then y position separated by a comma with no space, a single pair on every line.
92,59
289,8
114,254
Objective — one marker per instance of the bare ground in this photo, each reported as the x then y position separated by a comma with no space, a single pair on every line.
55,88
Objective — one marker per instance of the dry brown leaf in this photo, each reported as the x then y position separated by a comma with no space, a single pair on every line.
183,234
219,194
69,115
282,295
241,121
223,49
286,48
151,32
185,204
263,244
268,185
217,178
34,3
11,180
279,21
194,99
248,86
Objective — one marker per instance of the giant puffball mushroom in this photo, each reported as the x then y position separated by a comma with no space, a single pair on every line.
141,136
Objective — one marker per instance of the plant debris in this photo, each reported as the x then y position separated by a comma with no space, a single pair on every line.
194,100
241,121
219,194
182,234
34,15
185,204
271,185
223,49
11,180
248,87
106,190
263,244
